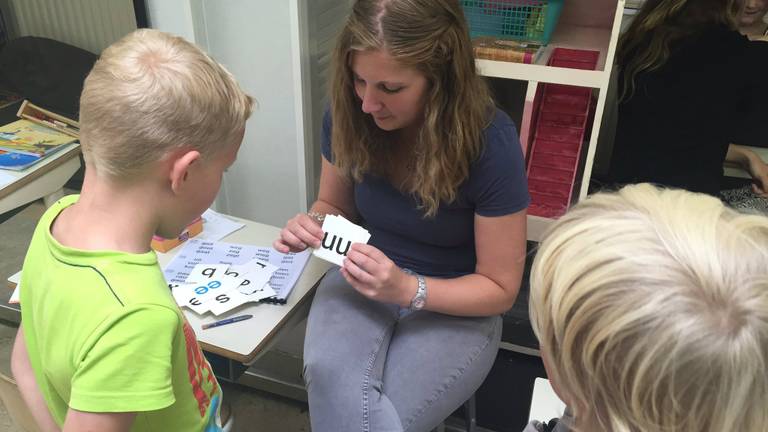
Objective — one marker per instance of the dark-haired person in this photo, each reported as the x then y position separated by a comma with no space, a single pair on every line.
689,83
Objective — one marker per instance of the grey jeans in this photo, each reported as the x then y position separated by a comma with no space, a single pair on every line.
375,367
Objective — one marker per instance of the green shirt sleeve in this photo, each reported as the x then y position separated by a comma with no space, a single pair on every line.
126,364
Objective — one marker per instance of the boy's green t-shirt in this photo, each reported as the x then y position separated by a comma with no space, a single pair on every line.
105,335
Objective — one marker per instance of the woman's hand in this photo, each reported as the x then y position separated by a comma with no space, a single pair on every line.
758,170
753,164
299,232
375,276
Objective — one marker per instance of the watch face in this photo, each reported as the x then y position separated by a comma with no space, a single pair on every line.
418,303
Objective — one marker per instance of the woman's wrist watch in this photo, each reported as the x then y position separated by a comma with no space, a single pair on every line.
419,300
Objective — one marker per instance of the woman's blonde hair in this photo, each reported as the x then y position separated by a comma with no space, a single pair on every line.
660,25
432,37
150,93
652,308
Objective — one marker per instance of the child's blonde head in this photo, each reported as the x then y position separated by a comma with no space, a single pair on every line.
150,93
652,308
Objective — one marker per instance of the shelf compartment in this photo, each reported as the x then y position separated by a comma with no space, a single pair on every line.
565,36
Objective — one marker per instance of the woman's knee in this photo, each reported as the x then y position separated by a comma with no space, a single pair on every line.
326,381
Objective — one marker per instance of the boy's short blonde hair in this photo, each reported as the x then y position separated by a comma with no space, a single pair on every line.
652,307
150,93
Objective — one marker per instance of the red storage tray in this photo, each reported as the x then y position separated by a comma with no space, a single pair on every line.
555,147
550,174
560,134
587,59
561,125
566,163
562,89
554,189
572,64
566,103
561,119
546,205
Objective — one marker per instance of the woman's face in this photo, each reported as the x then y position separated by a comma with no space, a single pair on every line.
392,94
754,11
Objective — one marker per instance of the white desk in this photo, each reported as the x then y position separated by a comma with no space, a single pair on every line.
245,340
42,180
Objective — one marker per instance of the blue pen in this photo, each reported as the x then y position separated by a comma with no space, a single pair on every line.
227,321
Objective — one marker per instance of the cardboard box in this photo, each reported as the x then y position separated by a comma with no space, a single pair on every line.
164,245
34,113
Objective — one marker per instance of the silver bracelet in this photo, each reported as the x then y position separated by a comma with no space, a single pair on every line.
319,217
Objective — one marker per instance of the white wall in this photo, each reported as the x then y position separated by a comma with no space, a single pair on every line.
252,38
172,16
88,24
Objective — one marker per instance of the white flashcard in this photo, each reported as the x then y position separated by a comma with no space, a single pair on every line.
264,292
255,274
220,283
232,299
339,236
206,272
228,301
185,297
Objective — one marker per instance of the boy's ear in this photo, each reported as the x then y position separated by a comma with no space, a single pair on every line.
181,163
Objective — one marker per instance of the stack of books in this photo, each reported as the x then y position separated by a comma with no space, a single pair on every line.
38,134
492,48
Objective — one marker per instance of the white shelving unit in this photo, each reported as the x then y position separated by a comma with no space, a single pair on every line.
584,24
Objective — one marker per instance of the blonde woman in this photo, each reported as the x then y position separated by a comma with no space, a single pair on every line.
414,150
693,92
651,308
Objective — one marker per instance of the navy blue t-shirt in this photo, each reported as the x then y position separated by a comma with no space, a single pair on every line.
443,245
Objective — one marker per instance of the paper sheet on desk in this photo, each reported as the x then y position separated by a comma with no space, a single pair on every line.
6,179
196,251
217,226
16,278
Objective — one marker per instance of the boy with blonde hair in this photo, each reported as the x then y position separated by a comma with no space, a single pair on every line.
102,345
651,307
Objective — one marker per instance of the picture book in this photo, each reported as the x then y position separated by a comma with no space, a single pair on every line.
491,48
26,137
16,161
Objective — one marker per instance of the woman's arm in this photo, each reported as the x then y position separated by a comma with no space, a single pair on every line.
335,197
500,244
336,194
25,380
753,164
